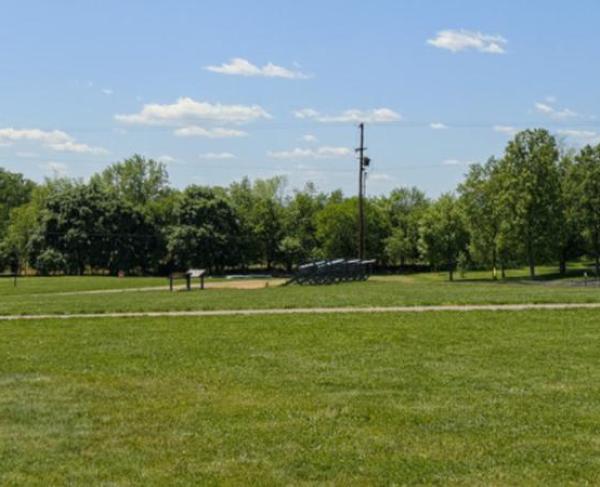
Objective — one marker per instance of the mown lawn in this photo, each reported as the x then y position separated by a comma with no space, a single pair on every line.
504,398
66,284
380,291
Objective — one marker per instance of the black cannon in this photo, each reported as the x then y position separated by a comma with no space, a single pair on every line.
333,272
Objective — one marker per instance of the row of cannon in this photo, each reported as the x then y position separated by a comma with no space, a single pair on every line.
333,271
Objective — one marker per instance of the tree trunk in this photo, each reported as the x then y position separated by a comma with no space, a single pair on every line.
563,262
531,261
597,249
502,271
494,270
451,272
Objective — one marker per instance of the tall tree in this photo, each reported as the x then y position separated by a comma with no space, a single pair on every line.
404,208
268,216
207,230
443,234
71,224
136,180
586,176
479,199
569,232
15,191
300,225
530,193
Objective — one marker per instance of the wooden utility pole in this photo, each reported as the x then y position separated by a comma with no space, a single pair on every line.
361,189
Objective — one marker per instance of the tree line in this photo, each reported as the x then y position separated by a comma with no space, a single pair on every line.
536,204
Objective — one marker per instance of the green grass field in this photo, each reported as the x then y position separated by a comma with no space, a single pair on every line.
481,398
46,295
443,398
67,284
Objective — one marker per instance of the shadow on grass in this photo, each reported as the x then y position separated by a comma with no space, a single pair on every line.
554,277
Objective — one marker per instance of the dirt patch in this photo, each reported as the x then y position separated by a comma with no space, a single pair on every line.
245,284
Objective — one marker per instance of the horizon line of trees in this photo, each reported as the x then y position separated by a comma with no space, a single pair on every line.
537,204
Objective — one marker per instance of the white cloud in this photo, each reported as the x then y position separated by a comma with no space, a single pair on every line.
217,155
243,67
306,113
72,146
318,153
463,40
185,109
377,115
505,129
551,111
438,126
54,139
211,133
107,91
582,137
166,159
309,138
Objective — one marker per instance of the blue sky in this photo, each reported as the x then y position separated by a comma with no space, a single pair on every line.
224,89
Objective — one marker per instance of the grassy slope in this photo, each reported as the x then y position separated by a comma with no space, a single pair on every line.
378,292
63,284
446,398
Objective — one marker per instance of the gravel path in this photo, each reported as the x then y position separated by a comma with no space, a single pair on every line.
289,311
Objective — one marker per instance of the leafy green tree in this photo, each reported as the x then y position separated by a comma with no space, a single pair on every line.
443,234
136,180
291,252
398,246
479,199
127,238
89,228
569,235
586,188
530,193
337,229
206,233
268,216
21,228
15,191
50,261
242,199
404,208
300,226
71,222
